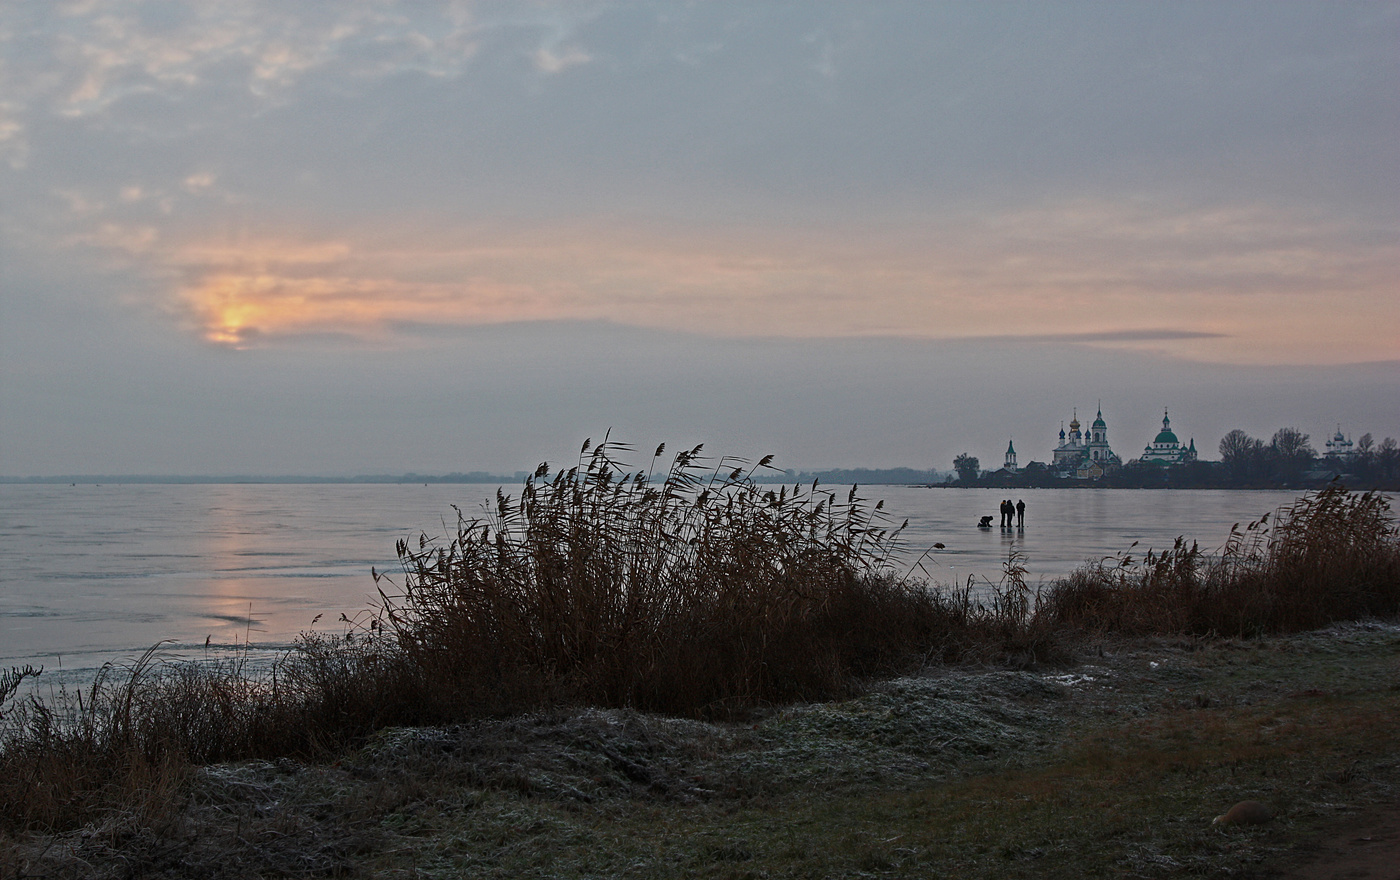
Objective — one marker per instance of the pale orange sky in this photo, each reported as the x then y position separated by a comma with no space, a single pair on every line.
1081,270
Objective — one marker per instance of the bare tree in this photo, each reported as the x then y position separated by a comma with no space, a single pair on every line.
1364,464
1290,454
1242,456
1388,459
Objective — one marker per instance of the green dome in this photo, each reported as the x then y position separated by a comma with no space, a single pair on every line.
1166,436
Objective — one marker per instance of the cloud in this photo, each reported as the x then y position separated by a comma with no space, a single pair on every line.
13,148
1163,334
85,59
553,60
1252,287
198,182
342,170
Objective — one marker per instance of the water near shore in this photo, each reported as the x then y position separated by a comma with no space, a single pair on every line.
96,573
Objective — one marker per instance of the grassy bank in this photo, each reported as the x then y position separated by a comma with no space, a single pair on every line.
685,589
1113,768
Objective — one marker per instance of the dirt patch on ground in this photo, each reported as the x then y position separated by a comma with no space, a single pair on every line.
1360,847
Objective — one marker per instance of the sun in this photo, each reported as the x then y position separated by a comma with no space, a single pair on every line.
233,310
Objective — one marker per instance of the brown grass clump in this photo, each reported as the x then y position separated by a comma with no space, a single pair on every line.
693,592
1333,555
1000,623
106,751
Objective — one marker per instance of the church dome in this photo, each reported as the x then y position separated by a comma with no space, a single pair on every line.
1099,422
1166,436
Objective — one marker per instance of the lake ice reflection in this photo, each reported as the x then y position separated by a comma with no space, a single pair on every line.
96,573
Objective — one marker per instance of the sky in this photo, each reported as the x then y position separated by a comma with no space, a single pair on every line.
367,236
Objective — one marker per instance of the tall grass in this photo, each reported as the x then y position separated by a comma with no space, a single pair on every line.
1333,555
685,591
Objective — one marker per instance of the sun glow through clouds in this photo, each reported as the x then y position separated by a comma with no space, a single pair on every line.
1092,273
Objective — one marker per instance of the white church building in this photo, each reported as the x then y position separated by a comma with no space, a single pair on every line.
1086,455
1166,449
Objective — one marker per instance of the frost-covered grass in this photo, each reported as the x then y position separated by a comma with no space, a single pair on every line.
1112,768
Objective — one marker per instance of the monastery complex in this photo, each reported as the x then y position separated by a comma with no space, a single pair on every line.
1088,455
1085,457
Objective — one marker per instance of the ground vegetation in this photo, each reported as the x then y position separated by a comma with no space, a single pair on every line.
682,603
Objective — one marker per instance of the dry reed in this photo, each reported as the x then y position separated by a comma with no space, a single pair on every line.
1333,555
693,591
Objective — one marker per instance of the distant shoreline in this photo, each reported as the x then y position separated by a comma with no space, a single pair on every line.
857,476
116,479
862,476
502,480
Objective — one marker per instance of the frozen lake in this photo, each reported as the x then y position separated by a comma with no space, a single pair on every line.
96,573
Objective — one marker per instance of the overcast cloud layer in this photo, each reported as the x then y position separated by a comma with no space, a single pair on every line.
362,236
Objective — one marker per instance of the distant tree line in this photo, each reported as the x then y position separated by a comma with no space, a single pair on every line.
1289,457
1287,460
